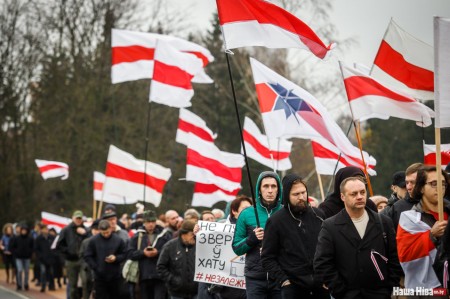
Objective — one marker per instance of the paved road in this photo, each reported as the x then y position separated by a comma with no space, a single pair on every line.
9,294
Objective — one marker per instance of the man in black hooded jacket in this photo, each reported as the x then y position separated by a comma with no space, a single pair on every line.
290,243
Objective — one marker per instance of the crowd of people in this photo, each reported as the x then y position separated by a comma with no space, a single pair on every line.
352,245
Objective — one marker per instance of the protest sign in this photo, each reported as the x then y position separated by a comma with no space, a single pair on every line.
215,261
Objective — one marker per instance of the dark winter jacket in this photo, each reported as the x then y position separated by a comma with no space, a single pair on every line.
343,260
398,207
176,266
147,265
333,204
98,249
69,242
42,248
22,246
244,240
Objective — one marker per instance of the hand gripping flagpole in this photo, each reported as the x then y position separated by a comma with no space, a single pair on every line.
242,140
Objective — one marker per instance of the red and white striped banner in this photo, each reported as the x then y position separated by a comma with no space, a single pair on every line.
206,195
191,123
429,151
55,221
273,153
405,63
99,180
125,178
52,169
133,55
208,165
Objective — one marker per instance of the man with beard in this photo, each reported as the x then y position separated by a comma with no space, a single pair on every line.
290,242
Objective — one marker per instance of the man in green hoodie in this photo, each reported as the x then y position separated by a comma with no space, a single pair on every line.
248,237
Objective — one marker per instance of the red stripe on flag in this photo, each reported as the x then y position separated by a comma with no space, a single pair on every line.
199,55
262,150
210,188
50,167
171,75
131,54
98,186
49,222
214,166
122,173
430,159
191,128
393,63
323,153
410,248
359,86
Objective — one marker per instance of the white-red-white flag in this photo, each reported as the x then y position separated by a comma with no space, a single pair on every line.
52,169
172,74
271,152
416,251
405,63
99,180
192,123
126,178
133,55
329,159
206,195
442,73
369,98
207,164
429,151
261,23
55,221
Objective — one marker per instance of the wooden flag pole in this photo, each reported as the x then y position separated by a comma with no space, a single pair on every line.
358,137
242,141
94,208
99,211
437,137
319,178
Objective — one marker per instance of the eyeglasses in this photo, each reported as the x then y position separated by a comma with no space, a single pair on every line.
433,184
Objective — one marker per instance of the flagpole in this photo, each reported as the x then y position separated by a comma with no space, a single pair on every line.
242,141
358,137
94,208
319,178
147,134
437,137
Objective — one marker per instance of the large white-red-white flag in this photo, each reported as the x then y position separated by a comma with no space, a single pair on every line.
442,73
172,74
133,55
429,151
55,221
416,251
369,98
206,195
329,159
271,152
126,178
207,164
405,63
290,111
189,122
52,169
261,23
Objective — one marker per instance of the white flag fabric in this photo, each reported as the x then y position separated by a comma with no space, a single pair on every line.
52,169
206,195
271,152
326,156
172,74
125,178
133,55
442,71
99,180
189,122
207,164
405,63
369,98
55,221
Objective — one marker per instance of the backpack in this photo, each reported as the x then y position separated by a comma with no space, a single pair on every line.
130,271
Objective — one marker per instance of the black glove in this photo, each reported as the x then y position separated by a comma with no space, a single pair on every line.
252,240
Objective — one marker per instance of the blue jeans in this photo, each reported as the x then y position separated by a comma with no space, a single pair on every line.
22,265
262,289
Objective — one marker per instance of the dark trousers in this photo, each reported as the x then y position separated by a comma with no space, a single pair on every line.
262,289
293,291
107,289
73,271
152,289
47,276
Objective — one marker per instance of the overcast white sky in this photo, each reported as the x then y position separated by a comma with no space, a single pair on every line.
365,20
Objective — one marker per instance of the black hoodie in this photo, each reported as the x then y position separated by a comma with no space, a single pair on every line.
333,204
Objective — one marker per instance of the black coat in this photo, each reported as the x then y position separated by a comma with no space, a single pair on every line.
98,249
343,260
69,242
21,246
42,248
398,207
288,248
176,266
147,265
